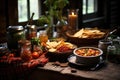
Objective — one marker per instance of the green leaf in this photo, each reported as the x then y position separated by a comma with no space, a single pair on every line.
43,20
35,41
55,7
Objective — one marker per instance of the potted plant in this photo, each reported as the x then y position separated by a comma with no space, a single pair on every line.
55,9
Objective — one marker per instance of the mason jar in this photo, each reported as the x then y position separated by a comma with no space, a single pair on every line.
30,32
25,53
14,34
103,44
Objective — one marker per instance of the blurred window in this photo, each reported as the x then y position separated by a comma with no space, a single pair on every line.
26,8
89,6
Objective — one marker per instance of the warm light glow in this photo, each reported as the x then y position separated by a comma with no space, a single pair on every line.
73,19
73,13
32,26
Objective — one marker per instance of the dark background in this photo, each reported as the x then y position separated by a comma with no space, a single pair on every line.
109,18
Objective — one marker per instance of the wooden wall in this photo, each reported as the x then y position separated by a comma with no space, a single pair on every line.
3,21
114,12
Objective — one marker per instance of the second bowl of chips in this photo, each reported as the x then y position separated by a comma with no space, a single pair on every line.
86,36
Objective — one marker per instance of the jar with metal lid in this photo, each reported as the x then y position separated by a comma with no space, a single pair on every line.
30,32
103,44
14,34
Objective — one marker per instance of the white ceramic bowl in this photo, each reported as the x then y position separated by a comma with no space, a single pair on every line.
88,60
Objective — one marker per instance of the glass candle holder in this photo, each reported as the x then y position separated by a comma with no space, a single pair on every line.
73,19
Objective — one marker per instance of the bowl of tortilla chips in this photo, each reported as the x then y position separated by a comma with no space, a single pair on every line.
86,36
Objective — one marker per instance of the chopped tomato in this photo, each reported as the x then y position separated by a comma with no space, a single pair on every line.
35,55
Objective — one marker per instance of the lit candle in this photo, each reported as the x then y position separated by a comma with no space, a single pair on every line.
72,19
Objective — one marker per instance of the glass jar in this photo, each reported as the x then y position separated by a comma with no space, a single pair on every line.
113,54
61,28
116,42
14,34
31,32
111,49
43,36
103,44
25,53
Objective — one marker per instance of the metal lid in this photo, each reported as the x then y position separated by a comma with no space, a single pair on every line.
105,42
15,28
31,26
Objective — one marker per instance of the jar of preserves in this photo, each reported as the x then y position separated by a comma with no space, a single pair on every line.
26,51
14,34
43,36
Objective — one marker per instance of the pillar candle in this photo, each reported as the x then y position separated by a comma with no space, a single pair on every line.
72,19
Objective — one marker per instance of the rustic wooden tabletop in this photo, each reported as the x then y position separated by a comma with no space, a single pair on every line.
109,71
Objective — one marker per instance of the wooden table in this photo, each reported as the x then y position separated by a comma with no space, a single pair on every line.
110,71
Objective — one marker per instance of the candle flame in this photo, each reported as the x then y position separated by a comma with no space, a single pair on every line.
32,26
73,13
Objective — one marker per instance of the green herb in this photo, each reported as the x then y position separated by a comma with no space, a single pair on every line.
35,41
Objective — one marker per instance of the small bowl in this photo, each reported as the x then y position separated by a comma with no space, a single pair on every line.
88,59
